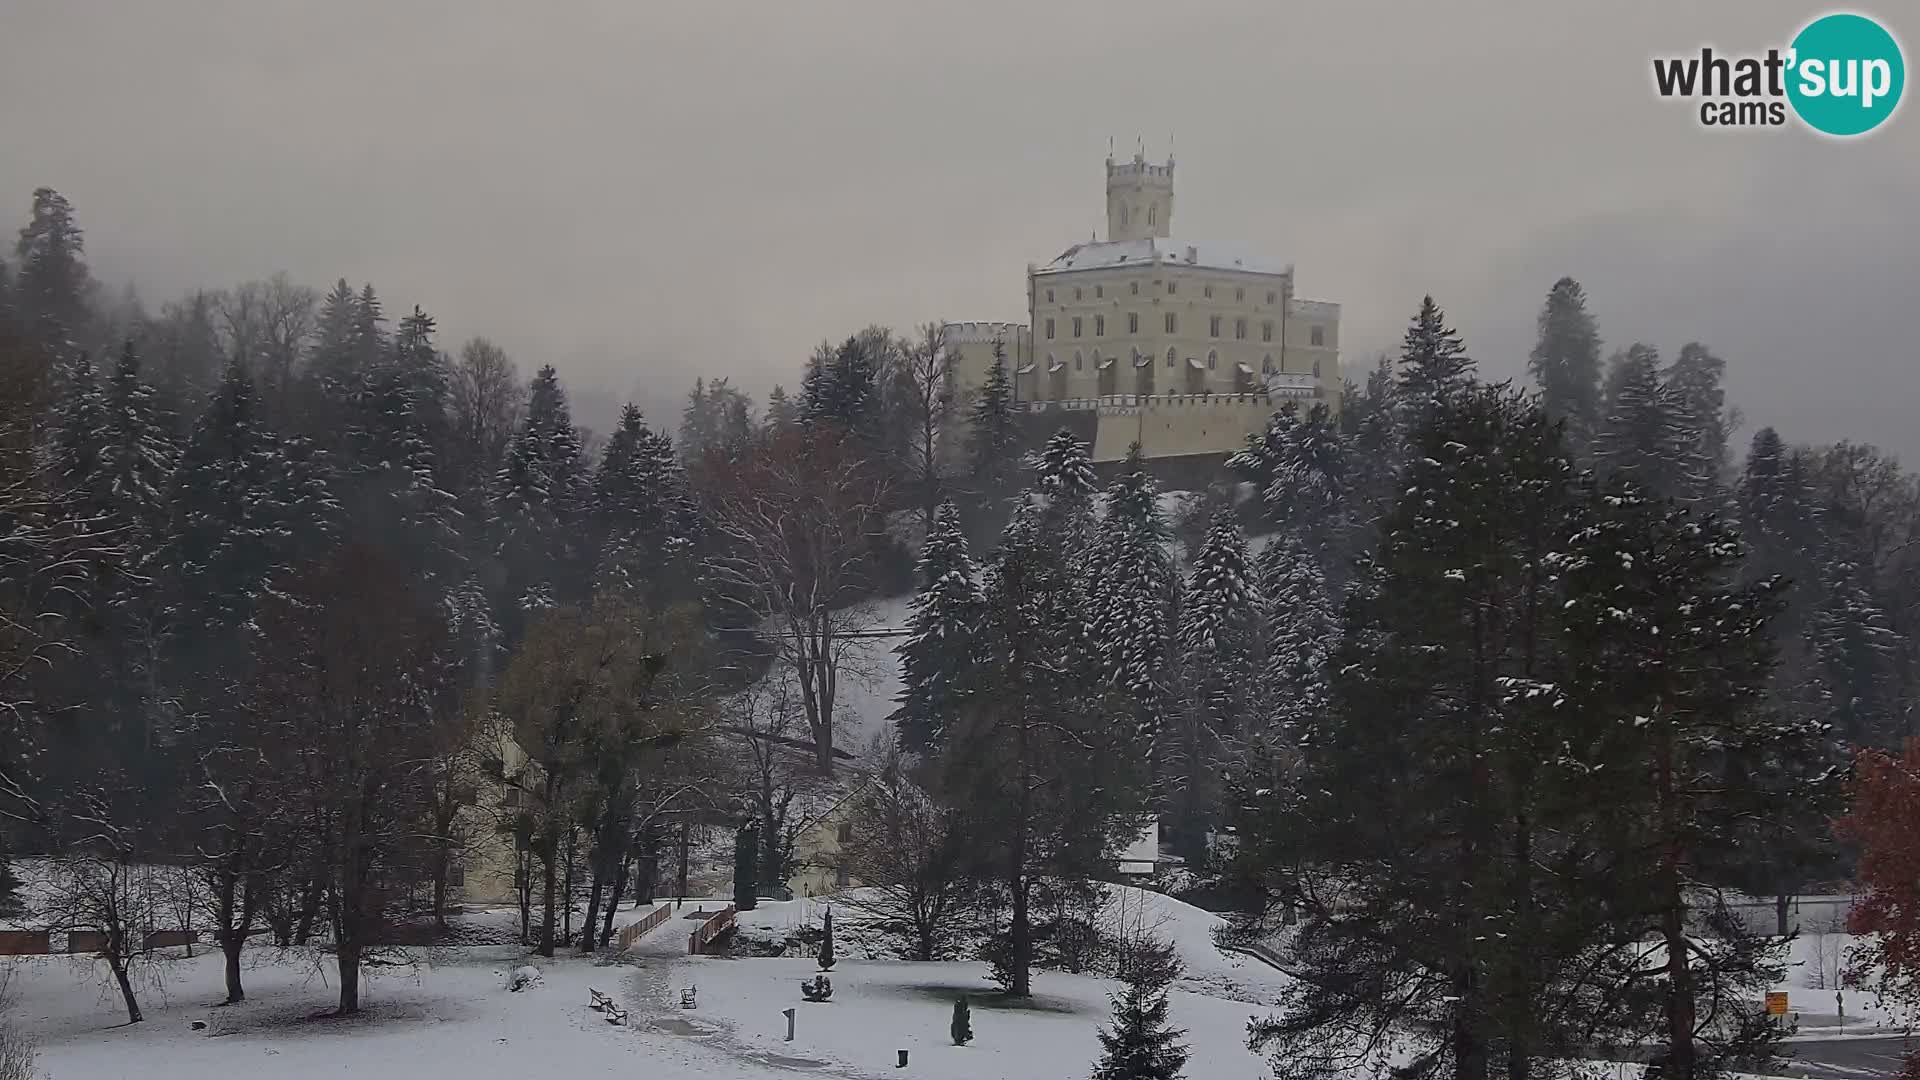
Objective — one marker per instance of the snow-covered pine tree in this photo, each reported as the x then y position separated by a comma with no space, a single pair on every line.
1301,634
1140,1043
993,436
51,281
1132,589
1566,363
1433,363
79,416
1219,655
1305,468
1064,480
1669,658
937,658
541,494
1695,382
1647,436
330,362
781,412
639,506
136,454
844,391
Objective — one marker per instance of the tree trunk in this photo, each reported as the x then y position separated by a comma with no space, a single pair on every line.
592,922
566,892
349,951
309,910
1680,1004
231,940
1780,919
682,891
1020,933
119,966
440,888
548,882
613,902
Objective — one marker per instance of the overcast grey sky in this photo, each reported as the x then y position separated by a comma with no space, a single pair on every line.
643,191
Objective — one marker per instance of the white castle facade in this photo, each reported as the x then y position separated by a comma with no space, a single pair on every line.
1183,347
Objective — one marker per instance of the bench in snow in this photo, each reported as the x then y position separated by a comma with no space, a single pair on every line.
600,1001
687,996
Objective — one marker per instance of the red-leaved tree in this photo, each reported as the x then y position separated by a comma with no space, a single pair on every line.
1885,821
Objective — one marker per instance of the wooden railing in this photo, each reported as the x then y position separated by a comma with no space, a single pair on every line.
712,928
634,931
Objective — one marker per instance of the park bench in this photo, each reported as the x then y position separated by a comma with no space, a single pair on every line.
686,997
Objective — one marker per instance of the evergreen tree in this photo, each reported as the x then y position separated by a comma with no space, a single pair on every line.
1433,363
993,436
331,362
542,491
640,506
1065,481
937,657
1647,437
1132,592
1306,469
1301,633
699,425
782,414
76,443
1219,642
842,389
397,429
1695,383
826,941
1566,363
51,282
1140,1043
136,454
961,1028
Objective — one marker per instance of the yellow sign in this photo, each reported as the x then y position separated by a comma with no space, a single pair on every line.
1777,1003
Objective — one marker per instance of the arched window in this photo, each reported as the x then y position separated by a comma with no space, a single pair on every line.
1123,213
1076,360
1172,358
1212,359
1266,366
1266,330
1099,326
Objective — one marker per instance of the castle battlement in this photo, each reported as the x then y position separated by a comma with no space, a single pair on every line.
983,333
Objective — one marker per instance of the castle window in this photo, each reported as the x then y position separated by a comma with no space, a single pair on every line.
844,832
1212,359
1266,366
1099,326
1076,326
1207,292
1076,292
1133,287
1318,335
1240,295
1133,322
1076,360
1049,296
1213,326
1172,287
1240,329
1171,323
1152,212
1316,369
1049,329
1270,296
1099,291
1172,359
1123,213
1266,330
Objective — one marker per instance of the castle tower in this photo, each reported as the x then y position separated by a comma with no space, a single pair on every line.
1139,198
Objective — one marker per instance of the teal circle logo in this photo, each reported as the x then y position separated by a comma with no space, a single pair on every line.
1846,74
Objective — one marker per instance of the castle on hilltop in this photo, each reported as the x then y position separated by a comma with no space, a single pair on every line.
1185,348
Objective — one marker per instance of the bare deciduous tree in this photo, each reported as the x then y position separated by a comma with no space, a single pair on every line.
94,888
927,366
793,523
908,854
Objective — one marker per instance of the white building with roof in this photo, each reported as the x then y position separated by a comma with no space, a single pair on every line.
1183,346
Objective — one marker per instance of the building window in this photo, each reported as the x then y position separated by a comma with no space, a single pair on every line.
1240,295
844,832
1213,326
1049,329
1049,296
1316,369
1172,287
1133,287
1133,322
1076,292
1123,213
1076,326
1266,366
1171,323
1076,360
1266,330
1207,292
1172,359
1212,359
1153,212
1240,329
1099,291
1318,335
1099,326
1270,296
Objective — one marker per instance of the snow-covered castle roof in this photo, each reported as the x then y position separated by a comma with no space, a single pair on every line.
1159,250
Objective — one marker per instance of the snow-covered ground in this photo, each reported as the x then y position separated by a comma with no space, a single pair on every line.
451,1016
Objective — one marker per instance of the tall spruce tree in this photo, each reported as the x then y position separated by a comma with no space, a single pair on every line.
1219,646
1301,634
542,493
1140,1043
1695,382
51,281
1132,592
1647,437
1565,362
938,657
136,454
1306,469
993,435
1433,363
